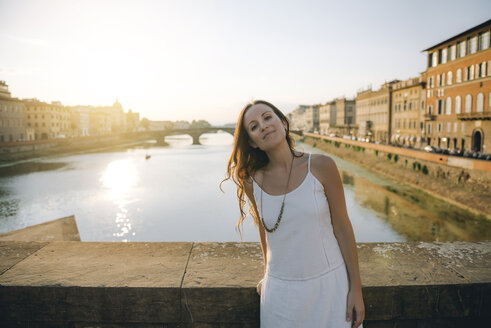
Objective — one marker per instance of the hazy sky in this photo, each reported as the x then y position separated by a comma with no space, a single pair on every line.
202,59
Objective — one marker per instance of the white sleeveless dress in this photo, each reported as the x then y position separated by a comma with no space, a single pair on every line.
306,281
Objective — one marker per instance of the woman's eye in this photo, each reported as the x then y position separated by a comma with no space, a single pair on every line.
253,128
267,117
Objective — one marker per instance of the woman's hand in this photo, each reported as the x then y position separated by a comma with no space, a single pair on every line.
258,288
356,308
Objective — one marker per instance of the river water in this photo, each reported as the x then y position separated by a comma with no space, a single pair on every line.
118,195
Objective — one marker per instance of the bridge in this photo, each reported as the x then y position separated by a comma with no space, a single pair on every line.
195,133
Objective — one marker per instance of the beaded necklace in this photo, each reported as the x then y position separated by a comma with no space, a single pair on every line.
278,220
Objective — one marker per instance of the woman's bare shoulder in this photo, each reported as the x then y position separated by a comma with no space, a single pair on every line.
322,166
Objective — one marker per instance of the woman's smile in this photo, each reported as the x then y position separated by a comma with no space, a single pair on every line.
267,134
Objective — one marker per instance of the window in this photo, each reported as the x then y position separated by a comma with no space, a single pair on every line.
449,127
467,73
449,78
440,106
471,74
440,56
428,128
444,56
433,60
468,46
449,106
468,103
479,41
430,110
440,127
452,52
480,102
442,79
473,44
457,49
463,48
458,101
455,127
485,40
458,77
481,69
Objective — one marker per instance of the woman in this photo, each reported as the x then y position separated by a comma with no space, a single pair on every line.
297,201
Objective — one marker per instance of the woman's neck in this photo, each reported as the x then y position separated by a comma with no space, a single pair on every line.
280,157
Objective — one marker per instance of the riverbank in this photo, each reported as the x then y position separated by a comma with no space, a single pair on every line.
468,189
69,147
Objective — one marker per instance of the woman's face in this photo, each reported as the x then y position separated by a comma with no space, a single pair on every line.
264,127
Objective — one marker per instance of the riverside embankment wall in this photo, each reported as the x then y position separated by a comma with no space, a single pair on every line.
13,151
463,182
208,284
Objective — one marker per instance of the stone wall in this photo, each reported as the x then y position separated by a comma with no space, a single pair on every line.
467,188
211,285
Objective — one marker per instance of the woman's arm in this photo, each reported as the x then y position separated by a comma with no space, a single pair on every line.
326,168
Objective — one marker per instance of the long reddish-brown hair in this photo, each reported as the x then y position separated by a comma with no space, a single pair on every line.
245,160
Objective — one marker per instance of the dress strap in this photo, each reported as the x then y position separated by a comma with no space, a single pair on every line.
309,164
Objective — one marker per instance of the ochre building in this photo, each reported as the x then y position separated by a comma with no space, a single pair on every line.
458,88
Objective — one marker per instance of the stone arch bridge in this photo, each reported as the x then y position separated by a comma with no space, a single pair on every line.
195,133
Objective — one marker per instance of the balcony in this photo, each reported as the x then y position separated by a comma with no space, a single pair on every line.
474,116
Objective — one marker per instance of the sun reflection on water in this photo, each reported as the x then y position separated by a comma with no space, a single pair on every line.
119,177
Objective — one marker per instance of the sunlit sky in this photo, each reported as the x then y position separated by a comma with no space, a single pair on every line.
173,60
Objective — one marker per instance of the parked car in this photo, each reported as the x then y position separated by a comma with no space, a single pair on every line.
429,149
482,156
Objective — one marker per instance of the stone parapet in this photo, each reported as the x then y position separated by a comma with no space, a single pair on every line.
186,284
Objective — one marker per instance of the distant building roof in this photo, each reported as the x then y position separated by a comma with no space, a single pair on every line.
475,28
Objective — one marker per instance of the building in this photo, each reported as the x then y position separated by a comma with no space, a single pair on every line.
327,118
408,108
132,121
80,121
373,113
311,119
345,116
12,117
117,117
298,118
48,120
458,88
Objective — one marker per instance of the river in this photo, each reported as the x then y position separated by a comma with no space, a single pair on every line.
119,195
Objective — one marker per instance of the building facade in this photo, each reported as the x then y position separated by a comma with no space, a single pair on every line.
325,126
408,108
373,113
12,117
47,120
458,83
345,116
